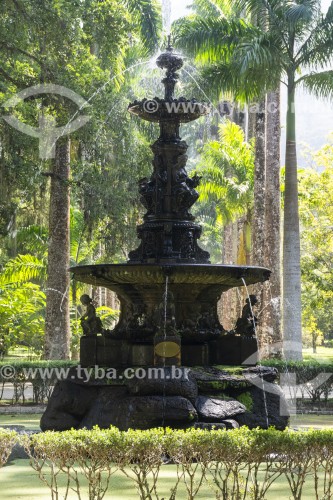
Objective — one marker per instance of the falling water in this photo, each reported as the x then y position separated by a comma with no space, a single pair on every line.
261,375
165,304
98,91
166,289
166,16
201,90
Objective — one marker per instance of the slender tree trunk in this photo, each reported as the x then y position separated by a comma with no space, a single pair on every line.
258,220
271,319
251,123
258,225
292,324
57,327
227,305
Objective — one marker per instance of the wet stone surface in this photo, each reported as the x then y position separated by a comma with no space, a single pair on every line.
217,409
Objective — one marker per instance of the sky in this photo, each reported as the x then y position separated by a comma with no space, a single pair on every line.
314,117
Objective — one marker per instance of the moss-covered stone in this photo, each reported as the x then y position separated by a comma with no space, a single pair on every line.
246,399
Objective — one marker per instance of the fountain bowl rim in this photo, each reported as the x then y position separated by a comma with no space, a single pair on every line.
154,272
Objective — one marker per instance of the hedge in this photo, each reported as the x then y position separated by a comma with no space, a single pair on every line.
26,372
236,464
314,378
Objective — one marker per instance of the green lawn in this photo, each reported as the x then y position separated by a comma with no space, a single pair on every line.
30,421
300,421
307,421
324,354
19,481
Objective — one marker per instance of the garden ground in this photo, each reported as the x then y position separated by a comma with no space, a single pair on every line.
19,481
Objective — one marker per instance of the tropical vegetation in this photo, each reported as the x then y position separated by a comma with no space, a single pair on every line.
82,206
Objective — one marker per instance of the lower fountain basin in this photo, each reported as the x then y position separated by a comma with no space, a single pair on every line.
193,293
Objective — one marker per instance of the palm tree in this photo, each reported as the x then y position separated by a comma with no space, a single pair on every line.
221,75
226,201
227,174
295,48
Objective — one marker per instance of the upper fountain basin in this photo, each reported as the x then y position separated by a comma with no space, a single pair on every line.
147,274
181,110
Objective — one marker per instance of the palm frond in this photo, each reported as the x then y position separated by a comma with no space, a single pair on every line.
257,8
303,11
33,237
209,8
23,268
260,51
210,39
319,84
147,15
317,49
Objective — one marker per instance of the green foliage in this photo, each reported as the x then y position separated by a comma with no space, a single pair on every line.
240,463
21,269
22,315
316,216
308,376
87,47
7,440
226,188
246,399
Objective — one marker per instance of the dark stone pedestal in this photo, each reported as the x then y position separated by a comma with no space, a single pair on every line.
234,350
229,350
195,354
103,351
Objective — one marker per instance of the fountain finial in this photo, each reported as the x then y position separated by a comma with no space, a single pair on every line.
171,62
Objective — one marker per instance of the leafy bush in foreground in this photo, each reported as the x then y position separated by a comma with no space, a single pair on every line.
7,440
236,464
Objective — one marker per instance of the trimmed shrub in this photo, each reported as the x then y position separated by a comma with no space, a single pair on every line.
237,464
314,379
7,440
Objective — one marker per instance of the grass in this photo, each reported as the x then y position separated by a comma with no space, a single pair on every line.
20,353
324,354
304,421
30,421
20,481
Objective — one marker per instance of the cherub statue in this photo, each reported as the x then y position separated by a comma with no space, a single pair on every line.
90,323
246,324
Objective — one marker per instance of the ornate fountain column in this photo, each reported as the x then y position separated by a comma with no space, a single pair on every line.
169,233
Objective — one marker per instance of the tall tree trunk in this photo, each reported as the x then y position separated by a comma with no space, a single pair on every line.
251,123
271,319
227,305
57,327
258,220
292,322
258,225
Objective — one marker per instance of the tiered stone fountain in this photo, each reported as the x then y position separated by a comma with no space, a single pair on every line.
168,293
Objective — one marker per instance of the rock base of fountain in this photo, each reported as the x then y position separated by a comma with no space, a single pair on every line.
201,397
